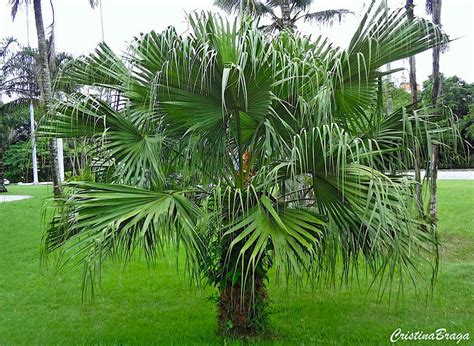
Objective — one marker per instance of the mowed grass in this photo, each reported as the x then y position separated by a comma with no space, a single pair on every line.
158,305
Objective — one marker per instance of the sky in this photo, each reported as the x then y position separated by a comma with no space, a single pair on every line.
78,29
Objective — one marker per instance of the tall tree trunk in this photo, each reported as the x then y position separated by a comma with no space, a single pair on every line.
414,98
419,184
434,101
412,60
434,185
413,83
389,105
2,167
46,89
33,143
286,15
31,109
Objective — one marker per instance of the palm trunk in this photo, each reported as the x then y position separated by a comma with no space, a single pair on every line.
434,185
242,312
286,15
33,143
2,168
412,60
434,100
417,159
419,184
46,89
413,83
389,106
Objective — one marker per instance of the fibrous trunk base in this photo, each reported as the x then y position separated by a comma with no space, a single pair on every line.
242,312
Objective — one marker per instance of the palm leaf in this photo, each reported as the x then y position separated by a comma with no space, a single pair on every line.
102,220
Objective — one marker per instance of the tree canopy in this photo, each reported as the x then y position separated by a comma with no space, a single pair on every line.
290,12
250,153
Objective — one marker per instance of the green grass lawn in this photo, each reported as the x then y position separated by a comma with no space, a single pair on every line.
137,305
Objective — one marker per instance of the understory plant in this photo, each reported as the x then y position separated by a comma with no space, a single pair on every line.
258,156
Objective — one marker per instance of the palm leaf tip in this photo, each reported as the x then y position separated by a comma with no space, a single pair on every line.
327,16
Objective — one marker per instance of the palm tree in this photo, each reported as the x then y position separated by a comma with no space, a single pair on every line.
291,11
250,153
412,61
45,57
32,110
46,87
21,80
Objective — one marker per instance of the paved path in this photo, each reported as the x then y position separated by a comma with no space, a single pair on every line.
446,174
11,198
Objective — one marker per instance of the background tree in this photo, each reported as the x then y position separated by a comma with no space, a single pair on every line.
466,124
5,51
13,128
21,82
17,144
46,58
45,85
290,12
22,74
412,60
18,160
251,154
457,95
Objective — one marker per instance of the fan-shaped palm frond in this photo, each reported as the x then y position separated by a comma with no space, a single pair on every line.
114,220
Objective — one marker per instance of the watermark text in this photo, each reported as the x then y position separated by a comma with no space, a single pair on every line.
438,335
